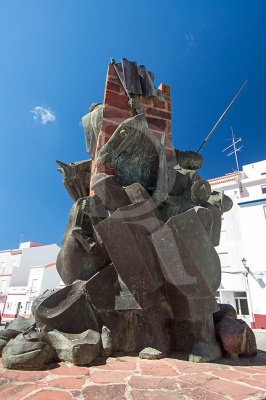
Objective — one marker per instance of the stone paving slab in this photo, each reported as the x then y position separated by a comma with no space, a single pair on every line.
131,378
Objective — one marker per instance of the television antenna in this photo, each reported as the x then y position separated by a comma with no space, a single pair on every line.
235,150
21,238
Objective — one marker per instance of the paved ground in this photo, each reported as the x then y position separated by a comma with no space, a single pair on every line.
131,378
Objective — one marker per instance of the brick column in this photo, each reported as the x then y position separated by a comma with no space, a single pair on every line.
116,110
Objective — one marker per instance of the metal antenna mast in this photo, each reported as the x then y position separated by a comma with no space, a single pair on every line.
220,119
21,238
234,142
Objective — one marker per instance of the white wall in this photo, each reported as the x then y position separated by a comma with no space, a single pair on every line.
42,255
244,236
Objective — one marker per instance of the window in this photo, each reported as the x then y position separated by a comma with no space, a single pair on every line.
3,264
3,287
218,296
9,306
33,288
241,303
263,189
28,306
264,209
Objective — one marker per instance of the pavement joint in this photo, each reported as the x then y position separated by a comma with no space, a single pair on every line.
131,378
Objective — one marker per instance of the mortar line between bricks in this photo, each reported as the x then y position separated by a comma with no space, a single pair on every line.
227,396
128,388
235,381
45,389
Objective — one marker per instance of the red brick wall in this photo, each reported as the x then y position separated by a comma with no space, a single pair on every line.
260,321
116,110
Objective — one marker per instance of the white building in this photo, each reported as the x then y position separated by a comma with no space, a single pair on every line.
25,273
243,243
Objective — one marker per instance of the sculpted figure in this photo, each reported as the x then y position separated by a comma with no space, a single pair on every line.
82,253
138,257
76,178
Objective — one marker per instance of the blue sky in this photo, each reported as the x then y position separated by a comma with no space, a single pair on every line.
54,55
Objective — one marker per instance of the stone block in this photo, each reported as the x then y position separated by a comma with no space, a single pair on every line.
236,337
67,310
187,257
225,310
21,324
111,194
137,193
135,261
80,349
27,351
3,343
107,292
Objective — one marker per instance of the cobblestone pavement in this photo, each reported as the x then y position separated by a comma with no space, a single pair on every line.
119,378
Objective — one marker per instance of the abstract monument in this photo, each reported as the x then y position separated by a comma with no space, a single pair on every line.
138,256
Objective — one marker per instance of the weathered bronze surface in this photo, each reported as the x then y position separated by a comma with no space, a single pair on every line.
138,257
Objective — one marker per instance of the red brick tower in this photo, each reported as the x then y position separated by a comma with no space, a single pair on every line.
116,109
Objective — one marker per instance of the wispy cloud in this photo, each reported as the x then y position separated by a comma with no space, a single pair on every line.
191,41
43,115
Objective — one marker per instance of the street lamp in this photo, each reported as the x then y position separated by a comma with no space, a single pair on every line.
244,262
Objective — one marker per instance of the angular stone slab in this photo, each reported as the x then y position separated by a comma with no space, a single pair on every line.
80,349
111,194
21,324
225,310
125,235
236,337
184,306
137,193
187,257
108,292
216,214
3,343
27,351
67,310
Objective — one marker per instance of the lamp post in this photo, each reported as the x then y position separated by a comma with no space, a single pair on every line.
244,262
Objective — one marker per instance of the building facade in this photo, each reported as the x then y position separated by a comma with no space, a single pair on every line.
25,273
242,248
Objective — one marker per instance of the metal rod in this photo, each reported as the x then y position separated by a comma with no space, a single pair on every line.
220,119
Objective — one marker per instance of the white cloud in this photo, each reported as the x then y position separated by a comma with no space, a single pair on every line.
191,41
43,115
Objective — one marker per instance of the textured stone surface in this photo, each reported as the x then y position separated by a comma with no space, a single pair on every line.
190,264
67,310
131,226
108,292
27,351
80,349
236,337
226,310
111,194
20,324
3,343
